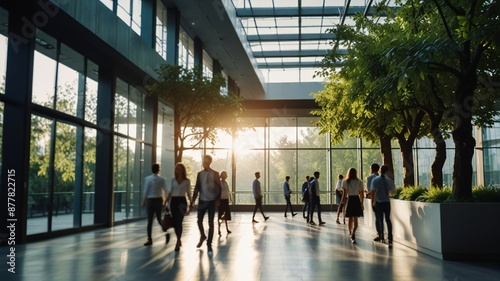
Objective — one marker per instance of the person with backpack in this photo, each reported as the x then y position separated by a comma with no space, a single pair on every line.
315,199
287,192
306,199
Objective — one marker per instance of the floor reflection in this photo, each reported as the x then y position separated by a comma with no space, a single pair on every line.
279,249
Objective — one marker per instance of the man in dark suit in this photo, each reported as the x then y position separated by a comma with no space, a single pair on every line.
208,187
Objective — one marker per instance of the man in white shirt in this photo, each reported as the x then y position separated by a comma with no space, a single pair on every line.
257,194
209,188
155,188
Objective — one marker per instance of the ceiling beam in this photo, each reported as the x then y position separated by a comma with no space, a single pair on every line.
296,53
291,37
332,11
294,64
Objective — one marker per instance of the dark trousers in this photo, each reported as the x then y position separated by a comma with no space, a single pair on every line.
288,204
384,209
258,205
154,206
203,207
306,210
178,207
377,220
315,202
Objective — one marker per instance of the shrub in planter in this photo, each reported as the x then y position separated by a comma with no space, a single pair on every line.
411,193
486,194
435,195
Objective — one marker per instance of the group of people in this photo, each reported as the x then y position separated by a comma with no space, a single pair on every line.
212,191
350,196
311,199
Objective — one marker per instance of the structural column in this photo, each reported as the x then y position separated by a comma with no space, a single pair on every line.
16,131
173,28
104,149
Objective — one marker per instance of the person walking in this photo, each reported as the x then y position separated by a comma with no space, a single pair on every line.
209,188
306,199
287,192
353,187
257,194
341,202
155,187
180,187
224,211
374,173
381,187
314,187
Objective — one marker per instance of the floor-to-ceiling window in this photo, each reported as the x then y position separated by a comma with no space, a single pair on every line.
129,151
61,182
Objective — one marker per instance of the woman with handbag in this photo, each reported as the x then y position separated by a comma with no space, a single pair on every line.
180,186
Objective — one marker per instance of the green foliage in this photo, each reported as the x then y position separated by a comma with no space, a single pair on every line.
486,194
199,108
397,194
435,195
411,193
444,195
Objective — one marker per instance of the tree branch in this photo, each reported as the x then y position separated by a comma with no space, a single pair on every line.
441,14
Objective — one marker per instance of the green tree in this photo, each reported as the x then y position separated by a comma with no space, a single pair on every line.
199,108
461,42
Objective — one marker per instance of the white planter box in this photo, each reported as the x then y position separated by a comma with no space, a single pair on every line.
450,231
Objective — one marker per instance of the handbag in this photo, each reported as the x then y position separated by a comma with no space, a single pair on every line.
167,221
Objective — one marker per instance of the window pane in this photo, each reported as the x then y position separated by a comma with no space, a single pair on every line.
4,20
38,184
282,163
91,92
44,70
89,161
247,163
120,178
70,82
161,29
121,107
64,176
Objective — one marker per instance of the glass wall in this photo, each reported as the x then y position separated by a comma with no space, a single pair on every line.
129,151
62,153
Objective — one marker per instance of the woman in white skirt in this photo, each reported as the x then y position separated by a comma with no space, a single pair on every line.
353,188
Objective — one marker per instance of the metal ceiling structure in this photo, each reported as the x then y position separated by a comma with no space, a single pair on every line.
271,48
282,33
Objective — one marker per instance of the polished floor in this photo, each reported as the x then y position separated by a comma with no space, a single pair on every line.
279,249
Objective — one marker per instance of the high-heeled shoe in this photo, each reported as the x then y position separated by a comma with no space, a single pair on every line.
338,222
178,246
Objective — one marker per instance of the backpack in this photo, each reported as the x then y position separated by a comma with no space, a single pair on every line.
305,194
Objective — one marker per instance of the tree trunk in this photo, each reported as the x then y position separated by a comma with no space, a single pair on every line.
177,137
463,139
440,158
406,148
386,151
